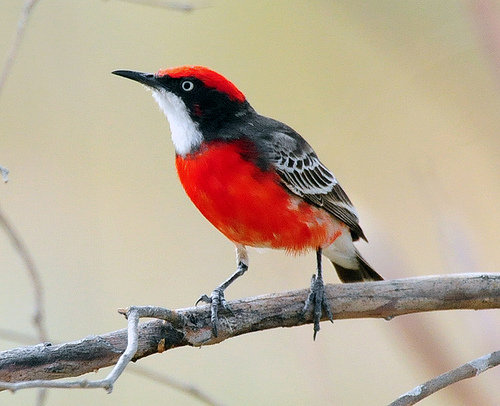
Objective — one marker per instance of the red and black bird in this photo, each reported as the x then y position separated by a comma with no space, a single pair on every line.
255,179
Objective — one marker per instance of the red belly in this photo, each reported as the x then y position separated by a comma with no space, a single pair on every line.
248,205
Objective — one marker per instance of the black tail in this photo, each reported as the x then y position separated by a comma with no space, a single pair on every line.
364,272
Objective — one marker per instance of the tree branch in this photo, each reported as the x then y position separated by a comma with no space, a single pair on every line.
468,370
160,378
191,326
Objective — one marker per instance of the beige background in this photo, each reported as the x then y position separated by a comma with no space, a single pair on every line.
400,99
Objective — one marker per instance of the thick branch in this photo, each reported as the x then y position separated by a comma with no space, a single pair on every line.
191,326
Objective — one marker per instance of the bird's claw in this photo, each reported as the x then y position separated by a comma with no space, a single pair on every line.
203,298
215,300
317,299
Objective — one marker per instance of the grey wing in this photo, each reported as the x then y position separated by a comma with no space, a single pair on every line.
303,174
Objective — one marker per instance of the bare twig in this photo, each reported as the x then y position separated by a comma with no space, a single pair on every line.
22,338
174,5
138,370
16,41
4,171
468,370
16,241
39,314
133,314
106,383
173,383
191,326
23,252
41,396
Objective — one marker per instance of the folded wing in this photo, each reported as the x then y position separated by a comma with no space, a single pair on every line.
303,174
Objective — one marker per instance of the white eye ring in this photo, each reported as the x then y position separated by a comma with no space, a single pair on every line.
187,85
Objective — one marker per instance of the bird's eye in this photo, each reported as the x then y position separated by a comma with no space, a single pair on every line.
187,85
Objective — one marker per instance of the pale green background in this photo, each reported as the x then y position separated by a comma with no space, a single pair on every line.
401,101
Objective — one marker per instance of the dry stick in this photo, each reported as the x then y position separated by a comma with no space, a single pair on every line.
173,383
16,241
191,326
133,314
4,171
16,41
39,314
106,383
22,250
174,5
160,378
468,370
17,337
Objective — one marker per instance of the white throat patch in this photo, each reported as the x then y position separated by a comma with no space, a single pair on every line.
186,135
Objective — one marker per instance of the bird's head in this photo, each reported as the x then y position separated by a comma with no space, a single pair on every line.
197,101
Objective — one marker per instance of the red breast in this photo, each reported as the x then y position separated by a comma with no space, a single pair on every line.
249,205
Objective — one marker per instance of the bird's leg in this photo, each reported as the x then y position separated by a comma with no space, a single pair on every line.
216,298
317,297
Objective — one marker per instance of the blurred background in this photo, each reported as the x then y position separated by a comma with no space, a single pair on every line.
400,99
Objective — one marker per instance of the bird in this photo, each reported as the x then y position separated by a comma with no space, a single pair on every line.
256,180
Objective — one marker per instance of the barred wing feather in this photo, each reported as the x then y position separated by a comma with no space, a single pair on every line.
303,174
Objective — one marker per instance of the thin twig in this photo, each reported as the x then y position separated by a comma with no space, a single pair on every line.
16,41
134,369
16,241
468,370
22,250
133,315
174,5
41,396
16,337
173,383
39,313
4,171
106,383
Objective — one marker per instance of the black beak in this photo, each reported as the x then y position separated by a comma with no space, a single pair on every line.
147,79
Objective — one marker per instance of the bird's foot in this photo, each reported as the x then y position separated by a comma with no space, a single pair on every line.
215,300
317,299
